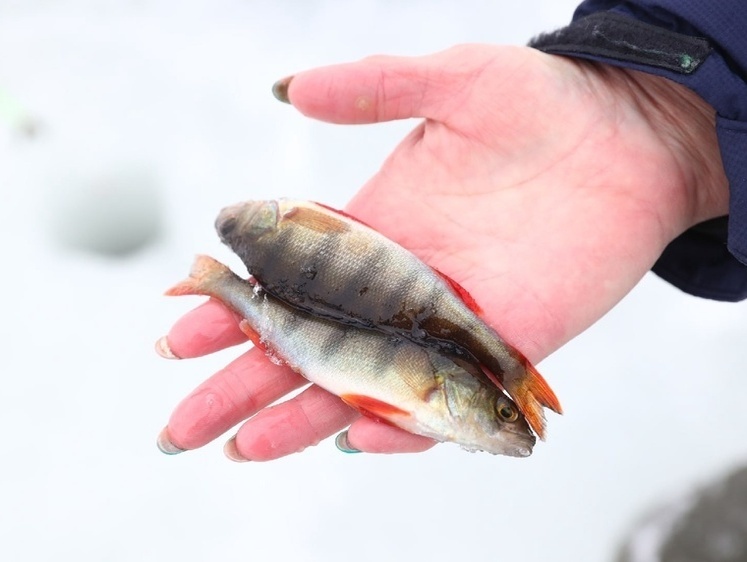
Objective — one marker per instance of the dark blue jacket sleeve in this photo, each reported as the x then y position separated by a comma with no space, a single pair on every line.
709,260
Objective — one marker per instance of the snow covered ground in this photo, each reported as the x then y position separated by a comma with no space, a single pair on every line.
173,100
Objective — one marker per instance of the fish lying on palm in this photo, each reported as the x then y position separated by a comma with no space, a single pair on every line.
325,262
413,387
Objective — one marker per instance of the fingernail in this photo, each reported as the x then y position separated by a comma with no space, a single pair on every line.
232,452
165,445
164,350
343,444
280,89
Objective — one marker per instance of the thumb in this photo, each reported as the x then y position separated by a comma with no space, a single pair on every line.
385,88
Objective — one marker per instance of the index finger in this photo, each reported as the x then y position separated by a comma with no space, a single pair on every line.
387,88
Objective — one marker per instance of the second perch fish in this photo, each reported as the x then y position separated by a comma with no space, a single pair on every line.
390,378
331,265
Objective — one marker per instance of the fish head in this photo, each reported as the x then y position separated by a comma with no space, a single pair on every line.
483,418
244,223
507,426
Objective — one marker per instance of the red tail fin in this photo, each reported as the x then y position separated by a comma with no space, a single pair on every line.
531,393
205,270
540,389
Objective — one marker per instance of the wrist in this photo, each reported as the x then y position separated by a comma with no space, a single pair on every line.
687,124
695,188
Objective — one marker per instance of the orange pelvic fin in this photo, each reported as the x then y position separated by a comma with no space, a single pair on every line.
373,407
252,334
460,292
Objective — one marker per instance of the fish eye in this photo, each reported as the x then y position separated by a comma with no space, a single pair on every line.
506,411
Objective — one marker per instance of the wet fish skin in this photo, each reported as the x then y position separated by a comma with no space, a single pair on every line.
411,386
333,266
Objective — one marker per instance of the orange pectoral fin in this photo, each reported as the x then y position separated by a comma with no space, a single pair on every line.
373,408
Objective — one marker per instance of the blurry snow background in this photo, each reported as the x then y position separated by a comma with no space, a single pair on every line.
146,117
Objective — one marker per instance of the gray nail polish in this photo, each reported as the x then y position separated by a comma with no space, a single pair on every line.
280,89
343,444
232,452
165,445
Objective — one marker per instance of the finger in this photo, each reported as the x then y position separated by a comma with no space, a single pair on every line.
386,88
230,396
208,328
291,426
372,436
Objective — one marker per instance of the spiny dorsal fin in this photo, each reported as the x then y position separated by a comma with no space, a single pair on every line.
315,220
460,292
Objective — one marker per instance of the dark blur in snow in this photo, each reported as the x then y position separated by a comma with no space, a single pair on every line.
168,106
708,524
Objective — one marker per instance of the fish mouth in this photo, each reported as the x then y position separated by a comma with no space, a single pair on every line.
518,444
227,221
523,448
522,452
500,445
249,218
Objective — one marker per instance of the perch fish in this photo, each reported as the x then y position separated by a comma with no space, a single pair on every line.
390,378
331,265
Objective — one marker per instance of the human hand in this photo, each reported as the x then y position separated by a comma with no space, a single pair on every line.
546,186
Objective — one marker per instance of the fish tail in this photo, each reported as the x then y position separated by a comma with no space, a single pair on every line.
202,279
531,408
531,394
539,388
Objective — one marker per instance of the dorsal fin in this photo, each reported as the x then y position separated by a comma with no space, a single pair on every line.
315,220
460,291
343,214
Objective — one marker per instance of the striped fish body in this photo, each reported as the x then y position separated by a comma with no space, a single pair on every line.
331,265
408,385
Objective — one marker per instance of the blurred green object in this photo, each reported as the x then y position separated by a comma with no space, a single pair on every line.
16,116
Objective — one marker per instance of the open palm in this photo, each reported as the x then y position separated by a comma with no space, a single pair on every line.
546,187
